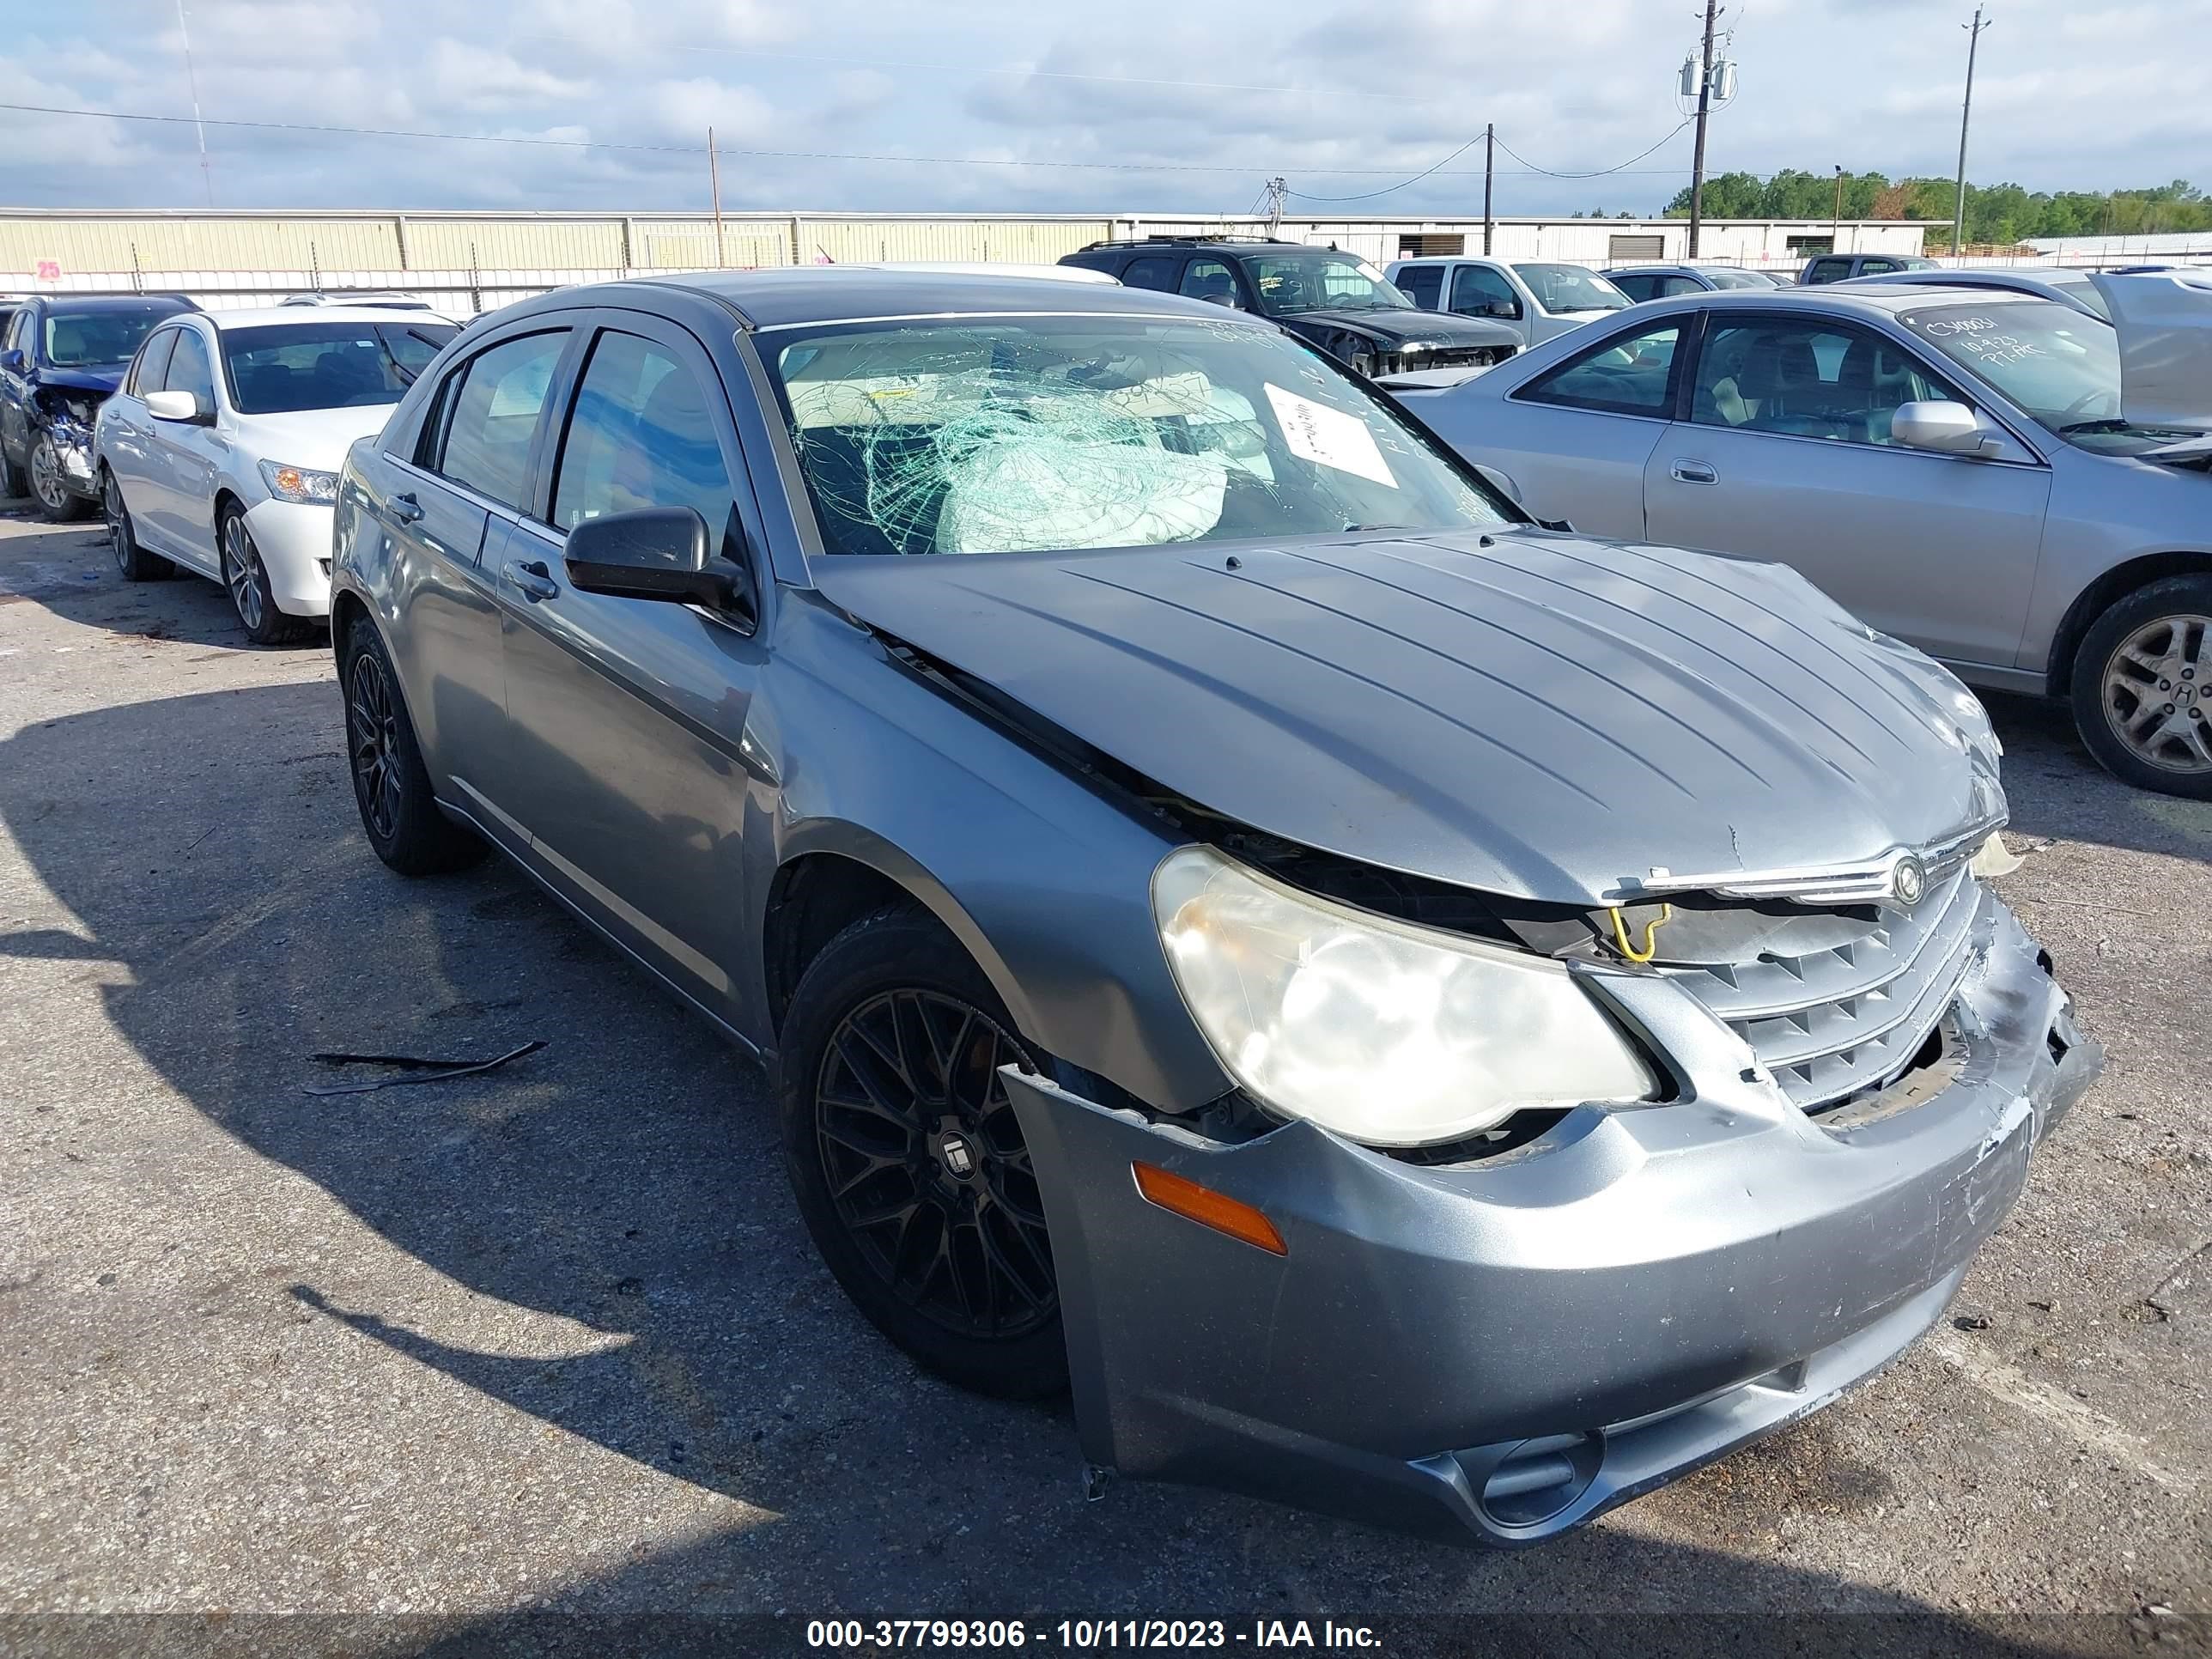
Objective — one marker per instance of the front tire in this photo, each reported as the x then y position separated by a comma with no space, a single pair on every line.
58,503
391,785
907,1159
247,578
2140,693
134,561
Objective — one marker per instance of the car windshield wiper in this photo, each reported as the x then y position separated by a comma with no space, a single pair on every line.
2110,423
1350,528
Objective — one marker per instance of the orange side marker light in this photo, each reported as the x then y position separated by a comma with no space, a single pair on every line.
1208,1208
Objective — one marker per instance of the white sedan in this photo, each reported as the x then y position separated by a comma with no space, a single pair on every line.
220,452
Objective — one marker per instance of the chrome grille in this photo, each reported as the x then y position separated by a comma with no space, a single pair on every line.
1833,1023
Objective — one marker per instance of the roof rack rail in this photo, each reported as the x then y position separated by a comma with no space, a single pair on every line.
1186,240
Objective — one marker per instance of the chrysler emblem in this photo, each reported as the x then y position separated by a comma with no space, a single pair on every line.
1909,880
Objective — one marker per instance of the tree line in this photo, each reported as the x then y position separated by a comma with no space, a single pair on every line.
1997,214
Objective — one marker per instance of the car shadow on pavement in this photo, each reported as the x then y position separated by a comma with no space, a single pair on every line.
69,570
621,1194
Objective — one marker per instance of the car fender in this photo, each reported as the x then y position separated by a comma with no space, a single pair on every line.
1044,876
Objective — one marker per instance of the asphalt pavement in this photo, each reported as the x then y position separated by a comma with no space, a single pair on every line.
491,1361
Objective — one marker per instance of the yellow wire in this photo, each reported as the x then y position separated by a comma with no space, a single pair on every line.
1650,933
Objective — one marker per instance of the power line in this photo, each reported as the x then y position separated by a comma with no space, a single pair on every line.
1601,173
1306,196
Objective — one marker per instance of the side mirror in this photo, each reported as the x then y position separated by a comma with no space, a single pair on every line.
1948,429
183,406
655,553
1509,309
1228,299
13,361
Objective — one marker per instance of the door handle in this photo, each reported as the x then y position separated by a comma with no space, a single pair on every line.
406,509
1693,472
531,576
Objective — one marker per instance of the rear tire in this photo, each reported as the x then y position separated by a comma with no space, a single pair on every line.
907,1159
13,481
2139,688
134,561
390,784
246,580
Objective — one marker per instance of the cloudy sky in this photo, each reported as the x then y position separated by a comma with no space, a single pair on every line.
1145,105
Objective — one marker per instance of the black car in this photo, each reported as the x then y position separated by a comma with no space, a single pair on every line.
1339,302
60,357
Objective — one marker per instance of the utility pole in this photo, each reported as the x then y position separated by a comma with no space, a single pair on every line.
1836,230
1705,107
191,80
1489,160
1966,114
1278,189
714,179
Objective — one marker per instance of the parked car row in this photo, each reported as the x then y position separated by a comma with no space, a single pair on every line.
1339,302
218,453
1195,833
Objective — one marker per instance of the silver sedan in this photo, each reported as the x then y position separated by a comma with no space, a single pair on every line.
1952,463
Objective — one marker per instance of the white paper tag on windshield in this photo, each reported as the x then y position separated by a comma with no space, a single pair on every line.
1328,437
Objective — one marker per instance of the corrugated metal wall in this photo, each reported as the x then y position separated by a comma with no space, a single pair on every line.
610,242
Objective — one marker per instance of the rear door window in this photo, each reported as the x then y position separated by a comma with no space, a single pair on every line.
491,405
1628,374
1151,271
1423,284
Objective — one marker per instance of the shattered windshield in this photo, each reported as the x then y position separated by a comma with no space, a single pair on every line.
2061,366
1290,283
1023,434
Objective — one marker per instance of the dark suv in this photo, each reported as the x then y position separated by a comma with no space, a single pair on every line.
1338,302
60,357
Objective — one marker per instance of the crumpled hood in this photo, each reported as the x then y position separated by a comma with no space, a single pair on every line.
1399,328
100,381
2164,320
1529,713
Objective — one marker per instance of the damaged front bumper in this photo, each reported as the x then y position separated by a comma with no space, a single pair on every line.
71,441
1501,1350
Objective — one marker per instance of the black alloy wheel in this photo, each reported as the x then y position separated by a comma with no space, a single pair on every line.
373,741
926,1164
906,1154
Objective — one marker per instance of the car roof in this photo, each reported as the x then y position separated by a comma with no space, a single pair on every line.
793,294
305,316
1888,298
1449,259
109,301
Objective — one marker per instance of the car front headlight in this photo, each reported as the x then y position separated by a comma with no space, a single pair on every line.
1389,1034
299,484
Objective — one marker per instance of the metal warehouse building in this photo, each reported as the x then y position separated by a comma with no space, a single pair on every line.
469,262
